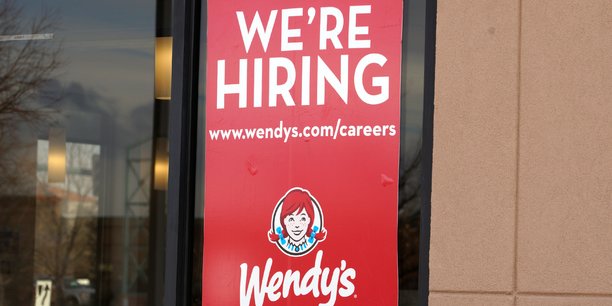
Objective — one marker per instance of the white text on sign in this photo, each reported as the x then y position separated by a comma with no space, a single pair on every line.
333,28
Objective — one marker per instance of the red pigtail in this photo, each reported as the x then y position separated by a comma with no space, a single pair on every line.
318,236
321,235
272,236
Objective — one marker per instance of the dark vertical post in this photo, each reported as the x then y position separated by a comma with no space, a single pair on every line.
428,126
157,208
182,149
157,204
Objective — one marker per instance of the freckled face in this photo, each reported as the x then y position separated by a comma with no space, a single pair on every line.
296,224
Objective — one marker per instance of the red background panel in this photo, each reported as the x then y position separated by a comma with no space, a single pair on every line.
244,179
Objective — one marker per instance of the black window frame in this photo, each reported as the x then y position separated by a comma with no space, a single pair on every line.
182,135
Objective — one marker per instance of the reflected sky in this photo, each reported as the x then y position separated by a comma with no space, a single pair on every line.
108,54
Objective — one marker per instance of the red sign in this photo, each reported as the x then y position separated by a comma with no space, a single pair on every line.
302,142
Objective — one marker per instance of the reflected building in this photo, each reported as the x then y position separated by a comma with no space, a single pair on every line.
76,152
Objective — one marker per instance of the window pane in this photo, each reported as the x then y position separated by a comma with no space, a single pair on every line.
80,217
409,213
409,189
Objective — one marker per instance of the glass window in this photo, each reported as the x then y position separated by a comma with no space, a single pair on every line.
409,187
409,206
83,152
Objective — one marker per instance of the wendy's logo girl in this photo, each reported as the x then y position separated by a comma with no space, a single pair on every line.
297,223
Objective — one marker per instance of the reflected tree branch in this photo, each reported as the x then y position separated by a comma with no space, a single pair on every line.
25,67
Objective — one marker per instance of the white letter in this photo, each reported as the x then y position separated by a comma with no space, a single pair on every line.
257,80
332,34
306,80
256,26
245,294
239,88
330,288
281,89
354,30
349,287
382,82
325,74
275,282
290,276
286,32
310,282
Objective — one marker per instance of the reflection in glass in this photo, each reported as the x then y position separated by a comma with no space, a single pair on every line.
56,164
163,67
77,203
66,220
409,191
409,187
161,164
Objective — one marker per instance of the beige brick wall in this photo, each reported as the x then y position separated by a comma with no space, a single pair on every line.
522,158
